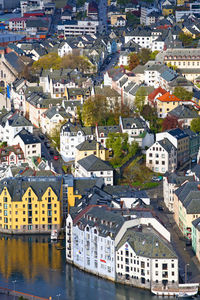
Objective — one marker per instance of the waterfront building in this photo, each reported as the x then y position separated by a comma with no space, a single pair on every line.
196,237
30,204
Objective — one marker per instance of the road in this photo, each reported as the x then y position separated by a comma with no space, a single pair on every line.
110,62
45,152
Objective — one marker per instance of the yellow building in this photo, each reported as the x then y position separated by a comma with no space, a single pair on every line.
186,206
180,2
166,103
30,205
190,31
113,18
89,147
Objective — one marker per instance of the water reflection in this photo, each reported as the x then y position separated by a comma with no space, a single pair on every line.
40,269
30,256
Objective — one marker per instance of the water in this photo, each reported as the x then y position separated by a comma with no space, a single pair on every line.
40,269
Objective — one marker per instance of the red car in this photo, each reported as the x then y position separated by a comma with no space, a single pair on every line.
56,157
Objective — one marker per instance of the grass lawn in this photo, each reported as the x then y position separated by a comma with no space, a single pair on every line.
139,176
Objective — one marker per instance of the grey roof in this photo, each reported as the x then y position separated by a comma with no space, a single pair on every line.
184,112
166,144
122,191
196,224
83,185
54,110
27,137
107,222
89,145
75,128
14,119
147,244
108,129
189,195
17,186
133,123
177,133
93,163
177,179
14,61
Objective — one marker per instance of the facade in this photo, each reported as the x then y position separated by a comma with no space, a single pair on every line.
166,103
71,135
184,114
161,157
30,205
137,130
11,156
108,243
76,27
94,166
187,207
30,144
181,142
102,132
196,237
89,147
11,124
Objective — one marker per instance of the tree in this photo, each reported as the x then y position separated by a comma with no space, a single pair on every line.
171,122
140,98
182,93
74,61
48,61
132,19
185,39
133,61
153,54
55,135
95,110
118,142
149,113
195,125
144,55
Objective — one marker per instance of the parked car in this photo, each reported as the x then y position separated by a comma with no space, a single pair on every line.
56,157
157,178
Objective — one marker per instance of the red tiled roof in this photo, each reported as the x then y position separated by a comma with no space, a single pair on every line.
167,97
157,91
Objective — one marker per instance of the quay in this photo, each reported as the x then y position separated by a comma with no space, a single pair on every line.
10,292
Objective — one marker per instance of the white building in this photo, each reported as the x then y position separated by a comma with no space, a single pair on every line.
30,145
137,130
161,157
11,124
71,135
77,27
102,132
65,48
94,166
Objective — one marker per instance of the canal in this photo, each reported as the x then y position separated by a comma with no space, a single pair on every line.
32,264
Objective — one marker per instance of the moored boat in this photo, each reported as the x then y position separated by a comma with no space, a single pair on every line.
186,290
54,235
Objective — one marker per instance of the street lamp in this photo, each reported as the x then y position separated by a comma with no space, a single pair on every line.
186,272
58,296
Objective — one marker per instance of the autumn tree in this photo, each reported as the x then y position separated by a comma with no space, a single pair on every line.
144,55
185,38
48,61
195,125
140,98
133,61
55,135
182,93
73,61
171,122
118,142
95,110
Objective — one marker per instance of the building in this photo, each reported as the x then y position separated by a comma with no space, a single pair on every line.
11,124
102,133
184,114
30,204
171,182
180,140
187,206
11,156
138,130
78,27
94,166
30,144
71,135
165,103
161,157
89,147
196,237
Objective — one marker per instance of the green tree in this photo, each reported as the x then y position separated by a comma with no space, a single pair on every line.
153,54
195,125
144,55
182,93
95,110
140,98
132,19
133,61
118,142
133,148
